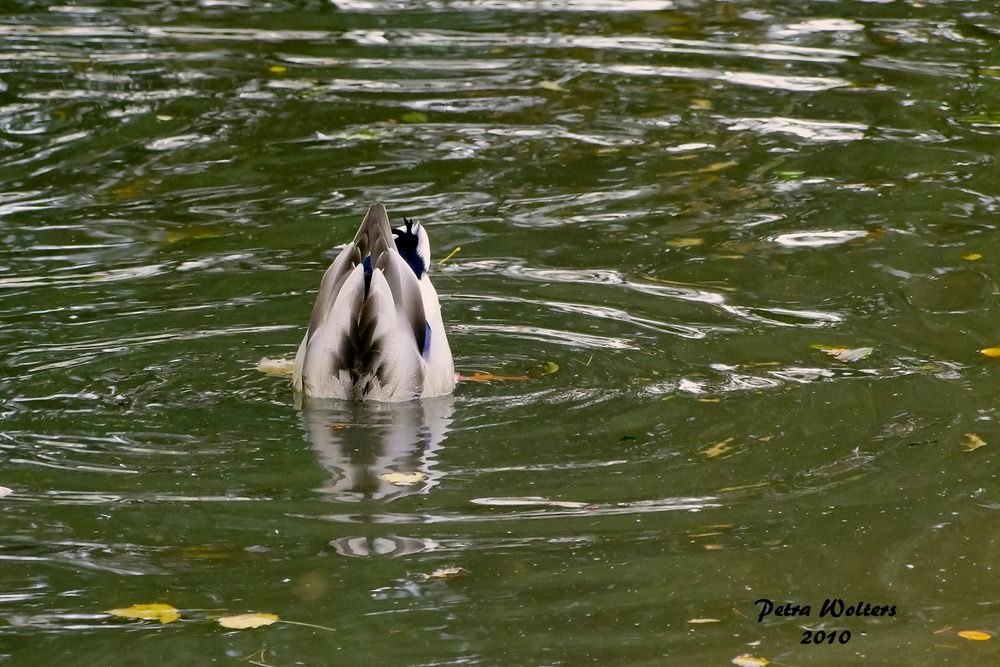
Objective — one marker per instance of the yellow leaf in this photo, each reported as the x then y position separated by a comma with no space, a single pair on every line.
973,442
163,613
991,352
700,103
747,660
975,635
403,478
718,166
448,572
549,367
275,366
719,449
704,620
972,257
685,242
277,69
245,621
551,85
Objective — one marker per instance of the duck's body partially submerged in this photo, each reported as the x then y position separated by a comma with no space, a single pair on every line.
376,332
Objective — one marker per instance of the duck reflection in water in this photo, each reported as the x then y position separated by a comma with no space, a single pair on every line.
377,452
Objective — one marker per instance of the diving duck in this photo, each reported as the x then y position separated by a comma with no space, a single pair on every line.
376,332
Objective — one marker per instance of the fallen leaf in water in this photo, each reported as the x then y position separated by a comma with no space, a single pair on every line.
975,635
479,376
701,103
246,621
277,69
972,442
414,117
163,613
192,233
747,660
447,572
717,166
790,175
403,478
991,352
704,620
719,449
549,367
4,491
276,366
684,242
450,255
972,257
845,354
551,85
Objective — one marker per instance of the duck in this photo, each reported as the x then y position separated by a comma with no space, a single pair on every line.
376,331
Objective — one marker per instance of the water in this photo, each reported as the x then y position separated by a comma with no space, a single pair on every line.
673,202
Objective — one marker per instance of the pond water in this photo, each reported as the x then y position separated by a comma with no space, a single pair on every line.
673,203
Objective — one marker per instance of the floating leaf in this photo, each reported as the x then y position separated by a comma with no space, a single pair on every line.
163,613
972,442
403,478
4,491
972,257
991,352
447,572
277,69
277,366
975,635
700,103
193,233
844,353
549,367
479,376
719,449
704,620
718,166
551,85
246,621
684,242
747,660
790,175
414,117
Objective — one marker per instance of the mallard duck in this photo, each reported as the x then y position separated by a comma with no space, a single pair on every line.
376,332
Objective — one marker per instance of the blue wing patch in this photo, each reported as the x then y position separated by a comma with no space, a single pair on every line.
427,341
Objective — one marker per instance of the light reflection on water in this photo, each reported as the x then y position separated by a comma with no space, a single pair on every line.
674,203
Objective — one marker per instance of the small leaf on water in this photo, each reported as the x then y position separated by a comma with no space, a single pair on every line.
414,117
747,660
684,242
701,103
447,572
845,354
972,442
704,620
277,366
551,85
719,449
163,613
4,491
479,376
277,69
246,621
972,257
717,166
991,352
549,367
790,175
975,635
403,478
192,233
